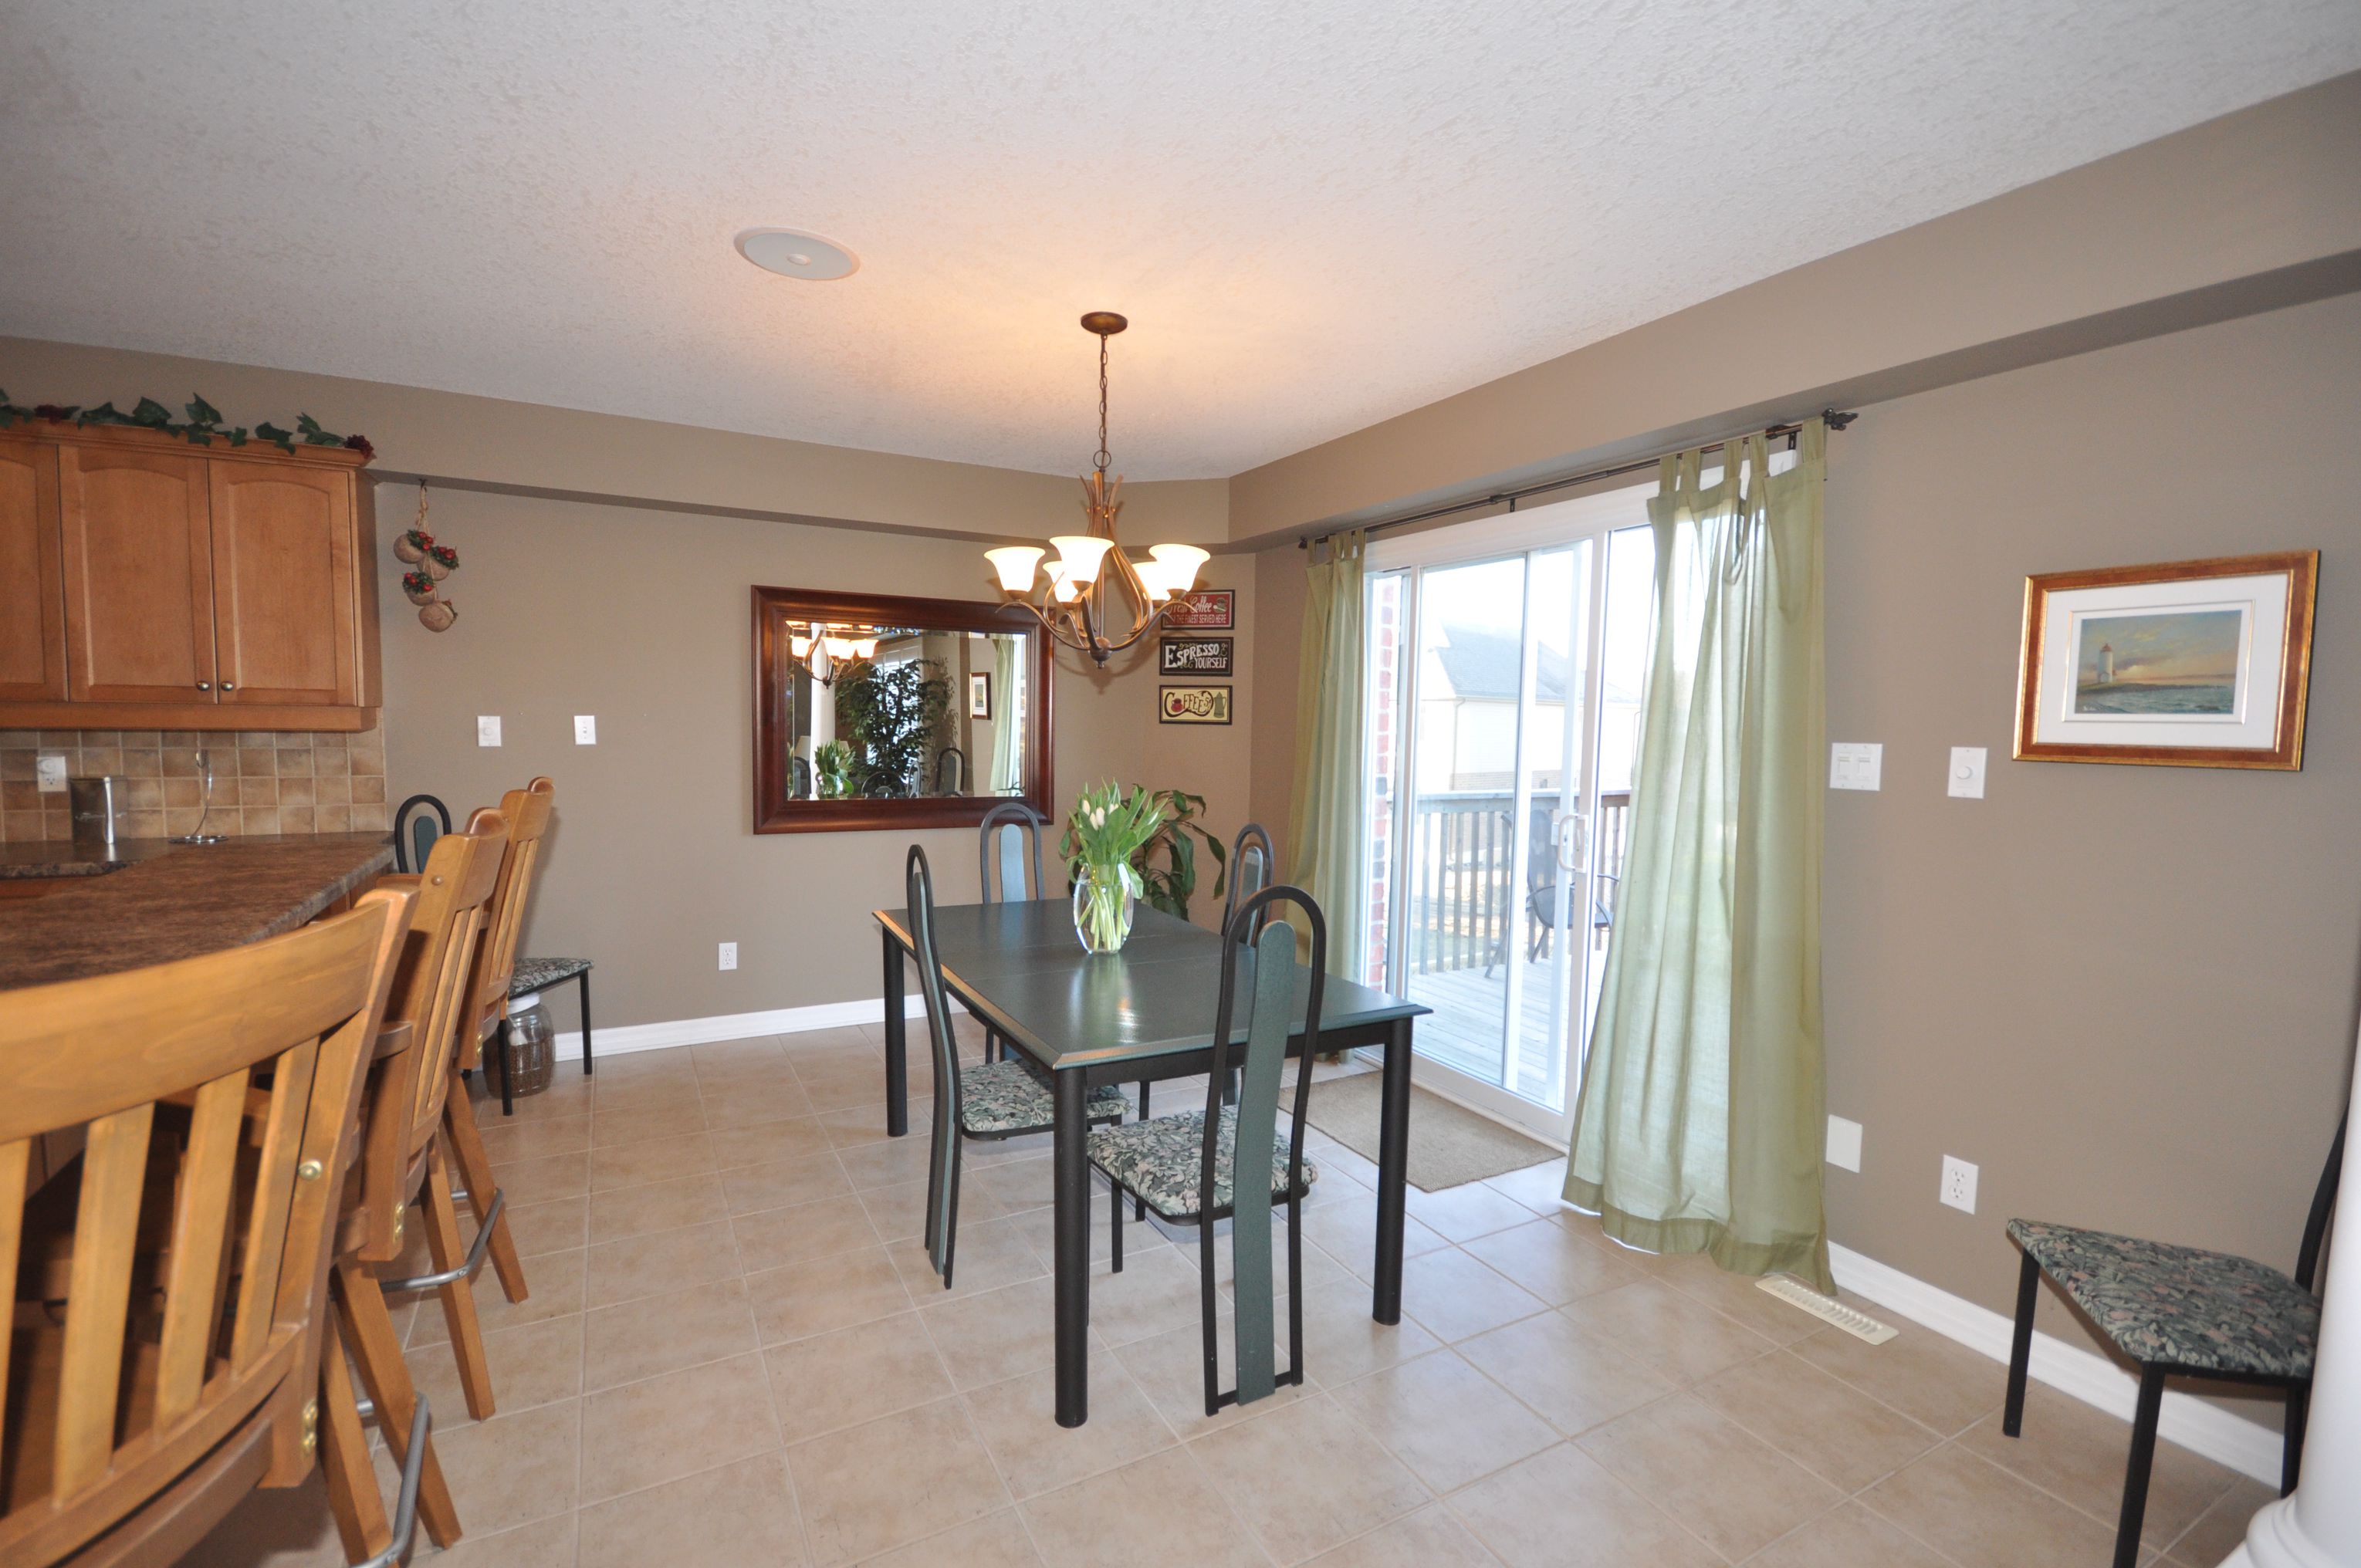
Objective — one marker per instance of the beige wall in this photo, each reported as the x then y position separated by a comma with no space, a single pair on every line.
494,442
2127,993
641,617
2256,209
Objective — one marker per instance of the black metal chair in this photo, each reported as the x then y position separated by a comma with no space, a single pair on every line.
1009,837
991,1101
1541,873
951,771
2180,1312
416,833
1231,1161
412,840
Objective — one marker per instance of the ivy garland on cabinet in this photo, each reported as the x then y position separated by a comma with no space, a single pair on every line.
200,429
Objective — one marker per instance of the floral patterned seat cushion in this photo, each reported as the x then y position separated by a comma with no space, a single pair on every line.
2177,1304
1002,1097
1163,1160
539,975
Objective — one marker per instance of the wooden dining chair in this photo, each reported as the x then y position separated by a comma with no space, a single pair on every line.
2180,1312
405,1170
992,1100
1233,1162
172,1361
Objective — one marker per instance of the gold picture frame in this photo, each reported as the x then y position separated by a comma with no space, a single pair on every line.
2213,672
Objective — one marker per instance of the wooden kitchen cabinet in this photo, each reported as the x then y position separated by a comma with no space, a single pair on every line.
32,586
189,587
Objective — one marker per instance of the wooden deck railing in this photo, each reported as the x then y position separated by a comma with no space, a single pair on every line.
1464,896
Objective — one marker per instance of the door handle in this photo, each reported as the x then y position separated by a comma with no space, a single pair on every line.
1572,841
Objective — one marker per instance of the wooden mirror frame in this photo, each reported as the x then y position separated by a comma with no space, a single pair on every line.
776,812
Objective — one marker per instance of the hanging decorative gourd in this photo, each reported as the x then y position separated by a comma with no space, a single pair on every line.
429,562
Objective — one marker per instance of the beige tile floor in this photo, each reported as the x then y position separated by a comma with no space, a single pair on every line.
734,1352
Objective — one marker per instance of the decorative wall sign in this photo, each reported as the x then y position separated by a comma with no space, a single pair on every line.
1207,609
1193,656
1192,705
2191,663
979,696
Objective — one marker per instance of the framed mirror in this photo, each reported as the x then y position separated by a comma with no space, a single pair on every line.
878,711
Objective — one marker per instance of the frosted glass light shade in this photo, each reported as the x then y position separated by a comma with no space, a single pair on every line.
1081,553
798,646
1152,578
1061,584
865,648
1015,563
840,647
1180,563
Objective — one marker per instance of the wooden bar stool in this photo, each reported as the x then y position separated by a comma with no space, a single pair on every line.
171,1357
404,1170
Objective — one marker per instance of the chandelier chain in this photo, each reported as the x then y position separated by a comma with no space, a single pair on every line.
1099,459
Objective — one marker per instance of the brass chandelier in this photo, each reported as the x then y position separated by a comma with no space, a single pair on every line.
1073,603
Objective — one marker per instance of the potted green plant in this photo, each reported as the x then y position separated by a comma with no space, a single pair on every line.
894,716
1106,829
832,769
1166,863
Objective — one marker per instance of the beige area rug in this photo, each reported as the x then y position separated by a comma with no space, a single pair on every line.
1449,1144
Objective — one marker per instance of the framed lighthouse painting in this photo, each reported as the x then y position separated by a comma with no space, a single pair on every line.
2191,664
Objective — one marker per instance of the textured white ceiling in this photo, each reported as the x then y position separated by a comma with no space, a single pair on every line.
1317,213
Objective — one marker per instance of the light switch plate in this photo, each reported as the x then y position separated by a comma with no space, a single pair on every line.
1967,771
1855,765
1844,1144
1959,1184
487,730
729,955
50,769
585,730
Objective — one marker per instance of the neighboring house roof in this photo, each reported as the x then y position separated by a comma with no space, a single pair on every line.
1482,666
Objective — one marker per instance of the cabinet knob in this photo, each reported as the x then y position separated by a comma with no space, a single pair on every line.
229,685
204,685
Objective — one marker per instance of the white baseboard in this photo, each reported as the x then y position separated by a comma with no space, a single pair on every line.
616,1040
2244,1446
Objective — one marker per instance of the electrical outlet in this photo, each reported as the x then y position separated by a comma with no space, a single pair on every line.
1959,1184
487,730
50,769
729,955
585,730
1844,1143
1855,765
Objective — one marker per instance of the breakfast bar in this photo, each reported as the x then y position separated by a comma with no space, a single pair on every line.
151,901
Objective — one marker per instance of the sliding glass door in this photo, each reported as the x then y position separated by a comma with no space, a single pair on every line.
1488,902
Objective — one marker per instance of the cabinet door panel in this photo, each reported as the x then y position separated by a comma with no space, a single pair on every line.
139,575
32,582
283,587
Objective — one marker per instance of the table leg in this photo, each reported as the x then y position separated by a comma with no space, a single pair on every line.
1072,1247
1393,1166
897,1058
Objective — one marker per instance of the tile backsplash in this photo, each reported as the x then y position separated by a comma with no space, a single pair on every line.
264,782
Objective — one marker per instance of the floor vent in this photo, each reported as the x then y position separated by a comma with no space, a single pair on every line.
1861,1325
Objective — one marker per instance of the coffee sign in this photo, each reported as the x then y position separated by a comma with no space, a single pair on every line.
1207,609
1194,657
1192,705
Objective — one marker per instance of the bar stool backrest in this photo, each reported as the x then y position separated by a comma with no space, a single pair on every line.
417,823
184,1375
430,993
1010,830
526,811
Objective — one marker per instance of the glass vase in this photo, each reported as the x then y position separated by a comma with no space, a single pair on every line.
1103,909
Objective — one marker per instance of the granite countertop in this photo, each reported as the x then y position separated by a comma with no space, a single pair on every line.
62,857
178,901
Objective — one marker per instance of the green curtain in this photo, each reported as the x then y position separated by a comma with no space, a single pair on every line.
1007,726
1324,832
1699,1123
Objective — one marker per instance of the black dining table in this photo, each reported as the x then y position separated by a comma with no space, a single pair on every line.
1133,1017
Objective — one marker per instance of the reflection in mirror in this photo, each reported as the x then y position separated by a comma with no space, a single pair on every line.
895,712
875,711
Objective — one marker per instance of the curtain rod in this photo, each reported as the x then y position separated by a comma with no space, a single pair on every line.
1837,419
